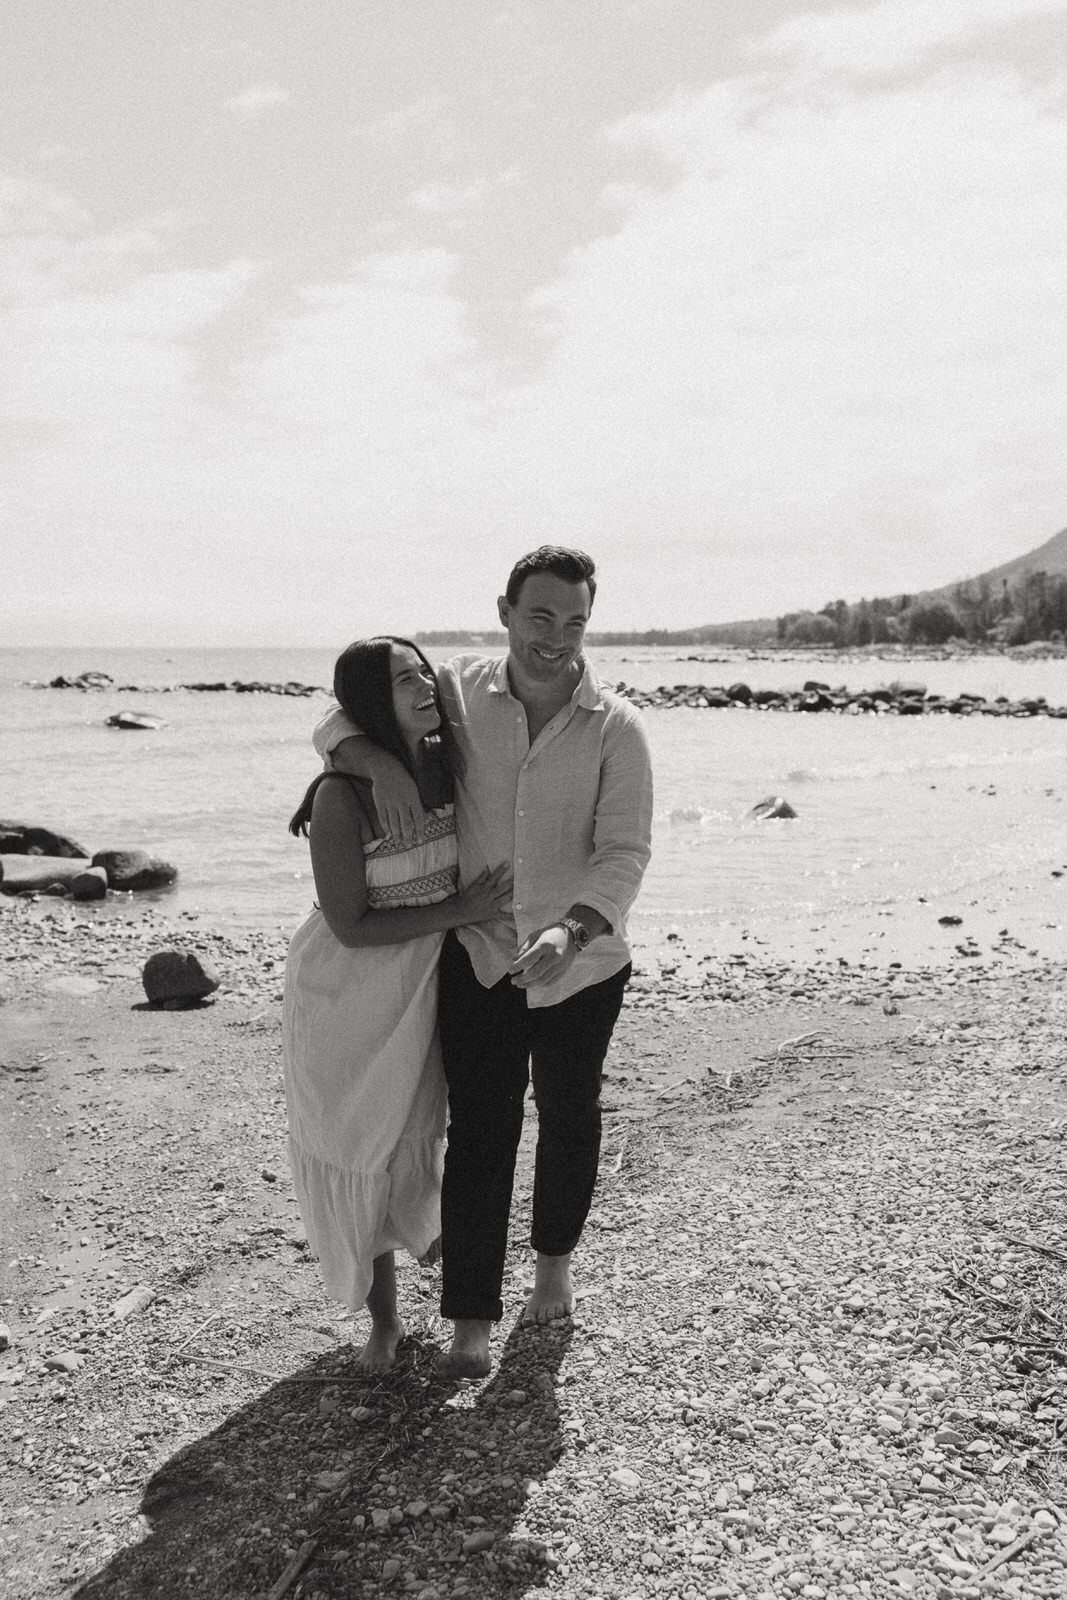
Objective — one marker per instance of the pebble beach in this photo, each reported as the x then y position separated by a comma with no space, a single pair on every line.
819,1346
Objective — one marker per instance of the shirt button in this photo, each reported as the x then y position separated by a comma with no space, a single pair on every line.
518,860
522,813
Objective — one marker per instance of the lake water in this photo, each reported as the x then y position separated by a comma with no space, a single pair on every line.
899,820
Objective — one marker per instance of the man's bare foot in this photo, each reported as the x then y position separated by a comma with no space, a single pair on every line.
553,1292
468,1356
379,1352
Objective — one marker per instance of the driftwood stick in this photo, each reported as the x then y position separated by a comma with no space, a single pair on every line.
1015,1548
1041,1345
679,1083
801,1038
197,1332
1032,1244
293,1570
227,1366
274,1377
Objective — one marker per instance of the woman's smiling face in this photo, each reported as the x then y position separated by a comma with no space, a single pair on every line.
414,694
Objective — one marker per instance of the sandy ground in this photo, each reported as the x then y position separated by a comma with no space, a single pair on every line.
819,1347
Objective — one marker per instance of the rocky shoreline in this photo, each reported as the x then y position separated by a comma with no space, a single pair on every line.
821,1338
895,699
96,682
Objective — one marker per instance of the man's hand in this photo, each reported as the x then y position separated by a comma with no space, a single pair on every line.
400,811
543,956
393,789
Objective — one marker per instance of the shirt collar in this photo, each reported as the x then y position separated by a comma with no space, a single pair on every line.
588,693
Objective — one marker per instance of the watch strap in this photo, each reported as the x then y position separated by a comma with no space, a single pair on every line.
577,930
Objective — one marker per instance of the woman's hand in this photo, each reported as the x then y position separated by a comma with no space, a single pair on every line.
486,897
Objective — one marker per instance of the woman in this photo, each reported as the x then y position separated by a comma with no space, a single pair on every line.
363,1079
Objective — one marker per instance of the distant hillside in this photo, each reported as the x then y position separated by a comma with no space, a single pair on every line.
1016,603
1020,602
1050,558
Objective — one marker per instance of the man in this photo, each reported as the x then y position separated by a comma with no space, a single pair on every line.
557,780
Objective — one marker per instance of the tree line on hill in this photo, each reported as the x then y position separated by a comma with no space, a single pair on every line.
975,612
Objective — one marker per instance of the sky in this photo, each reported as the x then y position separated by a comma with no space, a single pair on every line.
316,314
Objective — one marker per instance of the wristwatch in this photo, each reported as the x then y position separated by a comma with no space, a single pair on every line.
577,930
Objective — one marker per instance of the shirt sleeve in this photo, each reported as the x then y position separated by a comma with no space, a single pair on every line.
622,827
332,728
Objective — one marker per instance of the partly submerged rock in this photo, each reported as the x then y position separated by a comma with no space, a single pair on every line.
134,869
178,978
90,884
774,806
84,680
136,720
21,874
25,839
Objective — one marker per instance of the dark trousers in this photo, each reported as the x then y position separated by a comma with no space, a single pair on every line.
489,1040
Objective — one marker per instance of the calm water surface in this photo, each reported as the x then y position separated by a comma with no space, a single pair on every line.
898,819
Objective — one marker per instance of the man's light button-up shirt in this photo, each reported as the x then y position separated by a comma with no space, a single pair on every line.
586,815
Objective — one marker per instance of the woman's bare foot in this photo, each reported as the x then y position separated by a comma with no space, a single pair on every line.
387,1330
468,1356
379,1352
432,1256
553,1291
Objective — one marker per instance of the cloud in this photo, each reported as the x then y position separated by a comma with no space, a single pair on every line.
892,33
448,199
817,354
255,101
837,321
456,200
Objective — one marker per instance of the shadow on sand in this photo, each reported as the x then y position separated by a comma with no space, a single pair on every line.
281,1499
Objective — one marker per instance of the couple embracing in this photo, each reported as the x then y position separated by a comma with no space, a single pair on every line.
477,842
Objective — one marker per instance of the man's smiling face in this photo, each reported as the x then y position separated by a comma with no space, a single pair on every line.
546,626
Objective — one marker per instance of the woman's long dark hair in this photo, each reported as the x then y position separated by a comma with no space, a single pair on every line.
363,688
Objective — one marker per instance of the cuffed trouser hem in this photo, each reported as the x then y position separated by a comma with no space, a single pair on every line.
472,1311
554,1249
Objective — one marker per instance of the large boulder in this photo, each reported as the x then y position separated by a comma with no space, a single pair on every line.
24,839
175,978
134,869
20,874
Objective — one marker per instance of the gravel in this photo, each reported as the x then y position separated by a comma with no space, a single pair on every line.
820,1346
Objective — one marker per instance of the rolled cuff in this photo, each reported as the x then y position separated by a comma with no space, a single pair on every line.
332,729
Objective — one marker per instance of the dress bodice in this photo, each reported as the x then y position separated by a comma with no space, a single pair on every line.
400,874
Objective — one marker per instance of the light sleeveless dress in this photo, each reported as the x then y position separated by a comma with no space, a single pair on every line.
363,1080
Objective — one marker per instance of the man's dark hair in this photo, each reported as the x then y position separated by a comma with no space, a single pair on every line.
363,688
573,566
